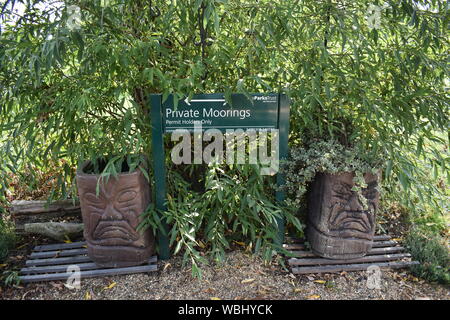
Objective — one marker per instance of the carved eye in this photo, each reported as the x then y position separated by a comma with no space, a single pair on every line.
370,192
342,190
127,196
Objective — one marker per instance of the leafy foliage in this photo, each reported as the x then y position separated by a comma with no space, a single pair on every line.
7,238
432,253
235,206
326,157
77,93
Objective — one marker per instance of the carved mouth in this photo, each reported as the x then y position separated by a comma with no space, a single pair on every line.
352,220
115,229
354,224
351,224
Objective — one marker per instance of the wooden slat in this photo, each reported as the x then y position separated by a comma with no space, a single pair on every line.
63,268
60,246
89,273
59,253
352,267
379,241
293,246
376,244
53,261
57,268
323,261
290,240
381,237
373,251
303,254
380,244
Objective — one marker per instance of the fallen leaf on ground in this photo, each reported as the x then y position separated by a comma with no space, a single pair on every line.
262,272
167,265
239,243
320,281
111,285
266,288
201,244
313,297
247,281
296,290
87,296
3,265
215,298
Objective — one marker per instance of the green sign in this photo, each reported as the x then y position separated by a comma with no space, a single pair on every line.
211,111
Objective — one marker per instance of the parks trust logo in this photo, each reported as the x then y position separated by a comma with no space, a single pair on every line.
265,98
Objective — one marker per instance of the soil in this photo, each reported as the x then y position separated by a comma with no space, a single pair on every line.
242,276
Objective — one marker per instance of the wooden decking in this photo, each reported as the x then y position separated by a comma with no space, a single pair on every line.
385,253
53,262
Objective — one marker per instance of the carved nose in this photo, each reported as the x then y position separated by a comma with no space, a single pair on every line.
354,204
112,214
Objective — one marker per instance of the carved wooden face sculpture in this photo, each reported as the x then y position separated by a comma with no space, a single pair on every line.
339,224
111,218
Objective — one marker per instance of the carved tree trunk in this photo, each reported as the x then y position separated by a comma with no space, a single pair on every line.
339,227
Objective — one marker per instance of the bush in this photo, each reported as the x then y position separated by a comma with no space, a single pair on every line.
326,156
7,238
237,205
432,253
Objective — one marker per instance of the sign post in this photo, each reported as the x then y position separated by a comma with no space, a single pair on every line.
211,111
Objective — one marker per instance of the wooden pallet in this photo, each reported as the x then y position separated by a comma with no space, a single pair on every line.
51,262
385,253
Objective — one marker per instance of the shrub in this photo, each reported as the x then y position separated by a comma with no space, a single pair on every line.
432,253
237,205
327,156
7,238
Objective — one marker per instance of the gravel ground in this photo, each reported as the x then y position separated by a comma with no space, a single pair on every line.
242,276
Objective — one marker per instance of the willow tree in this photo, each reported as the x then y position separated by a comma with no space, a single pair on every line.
75,75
